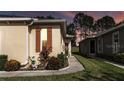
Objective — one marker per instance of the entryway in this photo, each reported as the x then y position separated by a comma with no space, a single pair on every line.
92,47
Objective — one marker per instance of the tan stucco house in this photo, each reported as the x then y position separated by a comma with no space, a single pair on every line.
24,37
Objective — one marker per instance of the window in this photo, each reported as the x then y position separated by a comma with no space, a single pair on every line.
43,38
100,45
115,39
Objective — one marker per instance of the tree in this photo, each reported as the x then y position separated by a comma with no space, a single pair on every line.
40,17
104,23
70,29
88,23
78,19
84,22
50,17
95,27
47,17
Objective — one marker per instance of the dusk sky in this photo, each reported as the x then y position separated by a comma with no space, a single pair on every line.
68,15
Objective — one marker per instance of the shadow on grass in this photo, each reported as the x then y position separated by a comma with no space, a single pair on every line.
85,56
89,76
113,76
105,76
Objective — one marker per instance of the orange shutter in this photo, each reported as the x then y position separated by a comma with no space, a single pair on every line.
49,38
38,39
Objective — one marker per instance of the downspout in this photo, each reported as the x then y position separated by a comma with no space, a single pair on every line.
32,21
28,45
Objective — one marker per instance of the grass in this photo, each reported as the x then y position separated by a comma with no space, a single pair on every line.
99,70
95,70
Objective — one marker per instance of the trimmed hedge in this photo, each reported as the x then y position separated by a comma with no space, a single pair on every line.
3,60
119,58
63,59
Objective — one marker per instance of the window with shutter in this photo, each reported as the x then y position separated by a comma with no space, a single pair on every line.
43,39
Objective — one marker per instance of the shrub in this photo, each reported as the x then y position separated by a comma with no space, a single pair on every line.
12,65
3,57
119,58
44,54
53,64
63,59
3,60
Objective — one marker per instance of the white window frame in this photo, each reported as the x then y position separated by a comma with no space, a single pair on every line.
115,44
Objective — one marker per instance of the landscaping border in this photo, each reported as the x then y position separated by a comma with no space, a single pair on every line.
74,66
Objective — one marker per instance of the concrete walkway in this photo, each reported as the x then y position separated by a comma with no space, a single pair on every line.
74,66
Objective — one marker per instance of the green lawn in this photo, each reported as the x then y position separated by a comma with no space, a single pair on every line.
94,70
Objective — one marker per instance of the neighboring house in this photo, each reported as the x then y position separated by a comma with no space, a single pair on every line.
24,37
107,42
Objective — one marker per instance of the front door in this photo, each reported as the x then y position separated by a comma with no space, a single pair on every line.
92,47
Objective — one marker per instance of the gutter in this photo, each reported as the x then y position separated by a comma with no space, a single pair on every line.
32,21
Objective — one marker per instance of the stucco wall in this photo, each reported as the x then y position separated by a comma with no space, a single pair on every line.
14,42
57,42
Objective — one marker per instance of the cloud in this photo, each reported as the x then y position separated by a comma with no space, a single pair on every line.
119,17
69,14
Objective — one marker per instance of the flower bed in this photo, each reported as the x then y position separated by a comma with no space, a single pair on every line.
48,63
57,63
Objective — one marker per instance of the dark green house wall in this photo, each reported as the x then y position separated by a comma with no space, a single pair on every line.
84,47
121,37
107,43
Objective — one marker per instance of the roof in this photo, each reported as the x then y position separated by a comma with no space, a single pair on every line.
15,19
69,36
105,32
110,30
49,21
90,37
34,21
